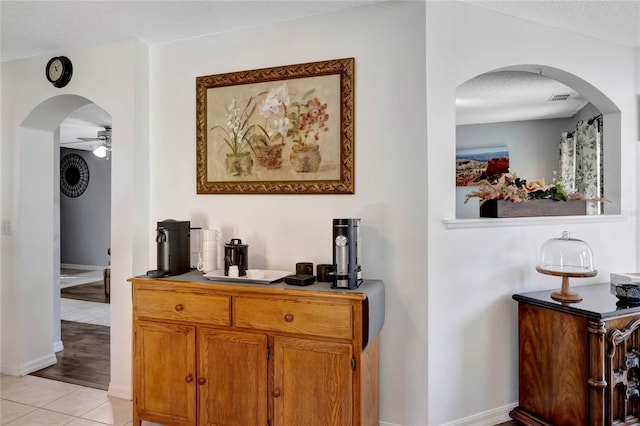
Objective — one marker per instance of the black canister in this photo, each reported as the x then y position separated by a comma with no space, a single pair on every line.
236,253
324,271
304,268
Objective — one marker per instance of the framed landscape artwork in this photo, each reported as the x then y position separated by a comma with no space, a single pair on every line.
281,130
475,164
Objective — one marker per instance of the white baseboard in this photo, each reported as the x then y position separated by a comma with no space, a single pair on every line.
487,418
58,346
388,424
86,267
10,370
118,391
35,365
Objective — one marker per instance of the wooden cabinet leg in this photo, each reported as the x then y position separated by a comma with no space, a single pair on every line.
597,381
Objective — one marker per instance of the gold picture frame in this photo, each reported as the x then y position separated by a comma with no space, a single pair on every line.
280,130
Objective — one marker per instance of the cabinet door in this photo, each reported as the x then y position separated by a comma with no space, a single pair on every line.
232,378
164,375
312,383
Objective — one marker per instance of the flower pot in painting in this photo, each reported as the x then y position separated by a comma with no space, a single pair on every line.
269,156
239,164
305,158
532,208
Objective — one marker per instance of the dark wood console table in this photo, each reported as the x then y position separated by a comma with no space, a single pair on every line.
579,363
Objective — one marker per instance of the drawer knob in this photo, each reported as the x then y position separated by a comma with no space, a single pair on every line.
276,393
189,378
202,381
288,317
179,307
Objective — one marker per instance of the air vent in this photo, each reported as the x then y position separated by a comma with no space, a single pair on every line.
560,97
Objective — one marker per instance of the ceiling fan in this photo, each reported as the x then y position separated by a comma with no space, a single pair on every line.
104,149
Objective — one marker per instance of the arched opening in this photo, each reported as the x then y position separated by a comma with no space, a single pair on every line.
531,131
38,228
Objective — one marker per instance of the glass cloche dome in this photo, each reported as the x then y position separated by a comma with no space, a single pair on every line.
566,254
566,257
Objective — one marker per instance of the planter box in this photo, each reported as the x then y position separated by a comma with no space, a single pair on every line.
532,208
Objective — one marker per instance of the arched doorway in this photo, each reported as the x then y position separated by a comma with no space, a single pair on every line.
37,232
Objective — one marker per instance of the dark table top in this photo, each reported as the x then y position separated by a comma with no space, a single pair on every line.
598,302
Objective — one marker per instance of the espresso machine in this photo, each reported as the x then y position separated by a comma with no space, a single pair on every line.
174,248
346,254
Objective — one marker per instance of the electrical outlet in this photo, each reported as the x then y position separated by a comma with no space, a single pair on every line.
6,227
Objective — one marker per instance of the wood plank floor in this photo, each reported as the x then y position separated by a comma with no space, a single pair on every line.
90,292
85,359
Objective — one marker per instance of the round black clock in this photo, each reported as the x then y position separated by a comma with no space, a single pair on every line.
59,71
74,175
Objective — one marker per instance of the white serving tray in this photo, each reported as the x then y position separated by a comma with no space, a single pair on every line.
269,277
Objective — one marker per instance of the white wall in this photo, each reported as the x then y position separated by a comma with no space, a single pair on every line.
119,86
387,41
468,274
473,271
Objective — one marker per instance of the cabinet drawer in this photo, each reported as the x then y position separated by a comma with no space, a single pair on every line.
299,317
182,306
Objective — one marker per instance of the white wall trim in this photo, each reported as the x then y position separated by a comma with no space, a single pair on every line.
38,364
122,392
58,346
529,221
10,370
487,418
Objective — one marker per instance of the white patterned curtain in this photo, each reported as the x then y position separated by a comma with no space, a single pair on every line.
567,168
581,162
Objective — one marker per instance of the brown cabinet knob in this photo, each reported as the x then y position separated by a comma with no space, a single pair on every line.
179,307
189,378
202,381
276,393
288,317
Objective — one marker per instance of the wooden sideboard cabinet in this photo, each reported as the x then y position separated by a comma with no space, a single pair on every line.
579,362
209,353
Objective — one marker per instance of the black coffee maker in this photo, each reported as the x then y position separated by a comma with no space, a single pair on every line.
174,248
346,254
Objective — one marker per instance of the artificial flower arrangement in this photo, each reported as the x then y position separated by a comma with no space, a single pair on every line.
297,119
508,186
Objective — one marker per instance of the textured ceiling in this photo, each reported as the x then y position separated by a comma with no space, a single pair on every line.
615,21
30,28
514,96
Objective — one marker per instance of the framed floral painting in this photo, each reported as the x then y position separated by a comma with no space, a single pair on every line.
281,130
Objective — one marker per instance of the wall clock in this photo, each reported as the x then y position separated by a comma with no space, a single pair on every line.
59,70
74,175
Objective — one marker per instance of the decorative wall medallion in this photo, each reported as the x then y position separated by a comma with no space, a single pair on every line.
74,175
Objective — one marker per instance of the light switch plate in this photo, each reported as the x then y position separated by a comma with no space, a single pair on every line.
6,227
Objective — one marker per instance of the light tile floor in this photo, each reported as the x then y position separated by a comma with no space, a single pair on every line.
34,401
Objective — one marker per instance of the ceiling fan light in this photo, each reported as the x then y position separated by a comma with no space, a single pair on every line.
100,151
